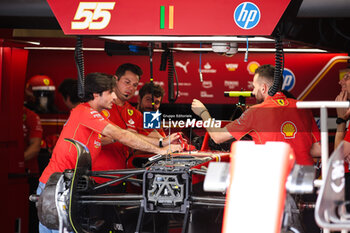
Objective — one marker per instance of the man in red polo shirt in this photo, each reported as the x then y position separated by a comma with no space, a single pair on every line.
274,118
343,114
342,134
86,125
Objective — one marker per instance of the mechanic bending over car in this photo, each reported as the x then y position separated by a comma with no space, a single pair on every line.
273,118
114,155
85,124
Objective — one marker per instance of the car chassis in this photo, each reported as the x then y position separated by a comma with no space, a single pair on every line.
166,188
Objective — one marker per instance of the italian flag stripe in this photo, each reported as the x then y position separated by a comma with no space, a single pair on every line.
162,14
171,17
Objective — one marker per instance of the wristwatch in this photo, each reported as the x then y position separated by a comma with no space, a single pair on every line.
340,121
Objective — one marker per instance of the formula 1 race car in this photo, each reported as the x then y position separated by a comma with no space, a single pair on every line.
166,194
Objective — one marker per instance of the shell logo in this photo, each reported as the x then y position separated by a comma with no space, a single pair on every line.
252,66
288,129
130,112
46,81
105,113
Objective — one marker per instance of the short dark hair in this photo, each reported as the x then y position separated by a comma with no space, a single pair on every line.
268,73
158,91
98,83
128,67
69,88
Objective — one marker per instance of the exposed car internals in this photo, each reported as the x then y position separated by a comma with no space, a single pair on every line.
167,186
168,193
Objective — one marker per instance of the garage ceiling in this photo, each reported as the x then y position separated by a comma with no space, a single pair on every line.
306,24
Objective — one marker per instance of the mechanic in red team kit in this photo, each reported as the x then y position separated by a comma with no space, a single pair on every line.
69,91
32,132
86,125
343,114
40,94
342,133
145,102
114,155
274,118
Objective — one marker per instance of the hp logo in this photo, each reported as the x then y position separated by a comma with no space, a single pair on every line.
247,15
288,80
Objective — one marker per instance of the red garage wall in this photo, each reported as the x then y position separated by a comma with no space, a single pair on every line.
220,73
13,63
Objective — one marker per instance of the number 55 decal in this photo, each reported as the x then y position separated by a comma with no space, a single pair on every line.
92,12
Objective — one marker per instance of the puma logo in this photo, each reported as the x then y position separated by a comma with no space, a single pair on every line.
184,67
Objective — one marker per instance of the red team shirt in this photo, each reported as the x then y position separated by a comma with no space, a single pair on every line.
278,119
31,129
84,125
113,156
347,136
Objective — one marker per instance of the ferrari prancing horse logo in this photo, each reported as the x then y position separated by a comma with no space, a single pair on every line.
105,113
280,102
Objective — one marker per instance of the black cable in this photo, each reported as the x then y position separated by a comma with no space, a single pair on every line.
190,137
235,113
171,72
321,33
279,65
150,52
79,62
336,29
